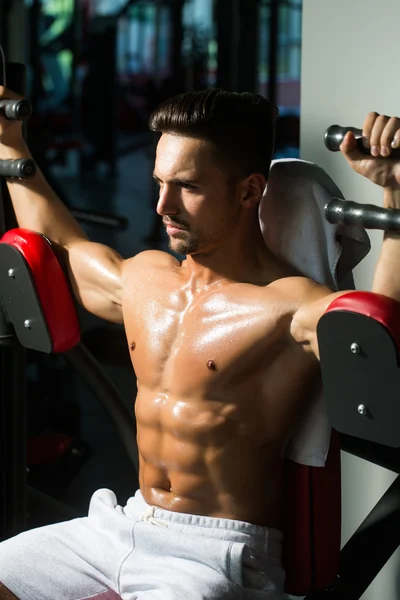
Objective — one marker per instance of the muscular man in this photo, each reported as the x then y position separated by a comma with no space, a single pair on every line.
225,352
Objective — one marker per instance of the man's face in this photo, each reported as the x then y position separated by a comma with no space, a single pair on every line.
197,203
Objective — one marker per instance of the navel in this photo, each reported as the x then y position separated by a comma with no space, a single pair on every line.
133,346
211,365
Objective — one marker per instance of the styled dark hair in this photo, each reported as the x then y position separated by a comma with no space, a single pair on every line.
241,126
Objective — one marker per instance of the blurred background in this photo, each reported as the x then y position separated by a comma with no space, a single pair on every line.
97,68
95,71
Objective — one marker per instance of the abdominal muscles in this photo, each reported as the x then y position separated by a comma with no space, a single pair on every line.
219,382
207,457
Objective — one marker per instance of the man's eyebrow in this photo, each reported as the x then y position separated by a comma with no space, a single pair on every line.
178,180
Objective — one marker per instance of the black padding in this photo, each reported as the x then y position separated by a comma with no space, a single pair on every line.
370,377
20,301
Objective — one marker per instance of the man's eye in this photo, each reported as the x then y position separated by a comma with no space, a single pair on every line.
188,186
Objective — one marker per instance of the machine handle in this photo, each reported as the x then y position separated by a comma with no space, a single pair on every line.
368,216
22,168
16,110
334,136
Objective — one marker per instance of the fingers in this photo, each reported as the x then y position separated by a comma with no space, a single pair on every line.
381,133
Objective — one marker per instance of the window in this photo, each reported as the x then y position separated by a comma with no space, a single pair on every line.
288,52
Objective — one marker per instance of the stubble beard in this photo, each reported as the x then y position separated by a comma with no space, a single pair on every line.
186,242
185,245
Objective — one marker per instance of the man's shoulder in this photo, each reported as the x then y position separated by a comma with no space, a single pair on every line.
151,259
296,284
299,290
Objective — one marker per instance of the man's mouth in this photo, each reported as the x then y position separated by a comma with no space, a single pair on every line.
170,225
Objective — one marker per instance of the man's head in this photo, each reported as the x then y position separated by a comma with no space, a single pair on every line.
212,162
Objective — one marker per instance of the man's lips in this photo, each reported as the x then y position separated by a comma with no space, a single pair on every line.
173,227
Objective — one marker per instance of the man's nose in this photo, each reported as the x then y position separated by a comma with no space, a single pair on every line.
167,202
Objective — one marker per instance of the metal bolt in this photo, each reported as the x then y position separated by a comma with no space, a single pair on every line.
11,273
362,409
355,348
27,324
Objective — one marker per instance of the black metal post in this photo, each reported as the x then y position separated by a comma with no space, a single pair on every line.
383,456
247,50
177,32
34,51
5,7
368,550
13,511
227,19
12,387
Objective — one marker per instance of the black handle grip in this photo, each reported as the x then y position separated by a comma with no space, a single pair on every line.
15,110
22,168
367,216
334,136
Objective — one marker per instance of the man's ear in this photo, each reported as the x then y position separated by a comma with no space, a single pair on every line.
252,189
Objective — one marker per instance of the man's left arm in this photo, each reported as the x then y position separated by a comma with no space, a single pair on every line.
382,135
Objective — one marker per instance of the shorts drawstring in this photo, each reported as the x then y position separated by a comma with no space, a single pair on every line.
148,517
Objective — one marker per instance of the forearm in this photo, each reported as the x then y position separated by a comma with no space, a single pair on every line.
37,207
387,272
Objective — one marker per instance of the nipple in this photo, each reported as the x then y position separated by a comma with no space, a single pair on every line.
211,365
133,346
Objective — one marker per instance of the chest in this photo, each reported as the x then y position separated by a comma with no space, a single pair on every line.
201,339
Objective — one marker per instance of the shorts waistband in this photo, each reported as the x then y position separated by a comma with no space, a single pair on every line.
263,540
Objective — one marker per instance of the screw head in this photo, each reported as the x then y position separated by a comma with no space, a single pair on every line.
27,324
11,273
355,348
77,452
362,409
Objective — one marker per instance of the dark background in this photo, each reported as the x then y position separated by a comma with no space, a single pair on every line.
95,71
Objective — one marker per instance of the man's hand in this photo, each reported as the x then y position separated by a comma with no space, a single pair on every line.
10,131
382,135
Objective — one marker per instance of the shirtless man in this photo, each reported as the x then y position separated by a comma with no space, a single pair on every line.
225,351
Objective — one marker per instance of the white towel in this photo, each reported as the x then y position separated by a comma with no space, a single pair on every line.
295,229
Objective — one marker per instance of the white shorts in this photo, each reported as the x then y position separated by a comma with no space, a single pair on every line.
144,553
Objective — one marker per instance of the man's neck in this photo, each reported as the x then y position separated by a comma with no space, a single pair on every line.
244,257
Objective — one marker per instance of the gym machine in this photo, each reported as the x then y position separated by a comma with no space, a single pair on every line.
359,341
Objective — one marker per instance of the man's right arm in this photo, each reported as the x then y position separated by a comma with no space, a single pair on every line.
96,272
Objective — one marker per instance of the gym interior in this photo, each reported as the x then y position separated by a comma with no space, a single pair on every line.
93,71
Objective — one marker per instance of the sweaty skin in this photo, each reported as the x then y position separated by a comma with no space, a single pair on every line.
221,384
223,344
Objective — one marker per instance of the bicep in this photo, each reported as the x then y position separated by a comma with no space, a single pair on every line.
96,274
